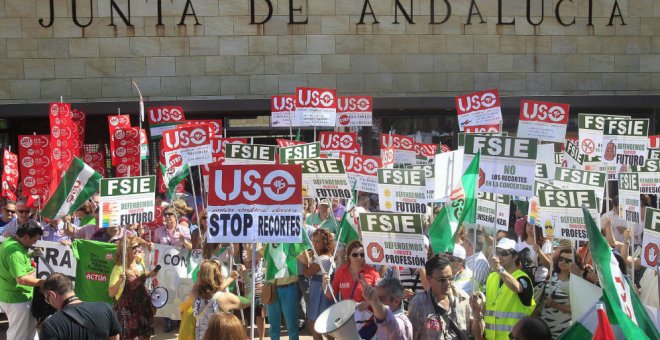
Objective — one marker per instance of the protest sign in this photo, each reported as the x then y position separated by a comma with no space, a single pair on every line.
79,124
354,111
58,257
478,108
461,137
127,151
127,200
283,111
425,153
582,180
62,136
318,107
191,142
35,166
493,210
429,174
572,157
218,148
654,154
332,143
590,131
541,184
387,156
164,118
393,239
545,161
649,177
450,165
116,123
323,178
144,144
402,190
629,201
215,124
544,121
255,203
404,147
625,143
10,175
489,128
361,171
175,275
288,142
307,150
651,242
507,164
250,154
561,212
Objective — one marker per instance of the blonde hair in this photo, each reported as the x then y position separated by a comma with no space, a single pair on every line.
182,207
130,242
225,326
209,278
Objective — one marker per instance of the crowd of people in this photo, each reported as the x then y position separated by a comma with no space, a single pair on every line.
510,284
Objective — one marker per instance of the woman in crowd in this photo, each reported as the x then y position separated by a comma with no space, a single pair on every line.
539,248
557,311
132,301
345,282
85,214
172,233
324,246
210,296
245,251
183,211
226,324
198,236
309,207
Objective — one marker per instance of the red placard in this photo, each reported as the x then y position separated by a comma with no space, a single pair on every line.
654,141
79,120
445,148
165,114
477,101
127,151
282,103
282,143
387,157
546,112
115,123
96,160
398,142
354,110
488,128
312,97
255,185
423,150
186,136
35,168
216,125
62,134
366,165
339,141
10,175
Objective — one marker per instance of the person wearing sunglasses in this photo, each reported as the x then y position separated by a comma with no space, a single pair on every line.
172,233
557,311
443,311
76,319
8,214
509,293
345,282
22,217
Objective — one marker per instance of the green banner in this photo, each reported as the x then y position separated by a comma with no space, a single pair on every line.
402,177
627,127
302,151
128,186
629,181
391,223
255,152
591,178
568,198
498,146
320,166
590,121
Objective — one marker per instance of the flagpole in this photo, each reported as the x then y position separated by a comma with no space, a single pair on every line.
192,186
290,126
474,236
201,185
253,265
316,256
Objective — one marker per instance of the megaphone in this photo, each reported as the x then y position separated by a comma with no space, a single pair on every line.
159,297
338,321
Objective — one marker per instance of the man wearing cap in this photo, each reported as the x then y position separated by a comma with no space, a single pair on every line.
323,218
463,276
509,293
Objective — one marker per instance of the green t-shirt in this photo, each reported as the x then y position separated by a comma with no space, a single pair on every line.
14,262
95,263
329,223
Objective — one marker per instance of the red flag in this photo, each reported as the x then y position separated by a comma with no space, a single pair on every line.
604,329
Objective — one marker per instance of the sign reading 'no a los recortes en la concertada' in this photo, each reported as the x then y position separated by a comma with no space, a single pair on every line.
439,12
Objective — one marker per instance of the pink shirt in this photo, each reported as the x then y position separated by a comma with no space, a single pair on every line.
164,236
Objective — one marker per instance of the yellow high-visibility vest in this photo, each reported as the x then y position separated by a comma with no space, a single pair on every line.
503,307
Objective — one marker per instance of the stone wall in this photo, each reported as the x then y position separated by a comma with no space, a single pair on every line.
227,57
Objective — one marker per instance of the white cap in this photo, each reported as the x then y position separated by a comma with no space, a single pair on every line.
459,251
506,244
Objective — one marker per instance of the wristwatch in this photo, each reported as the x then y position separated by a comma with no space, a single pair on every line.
501,270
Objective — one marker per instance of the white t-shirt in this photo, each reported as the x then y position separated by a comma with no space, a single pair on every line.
616,222
541,271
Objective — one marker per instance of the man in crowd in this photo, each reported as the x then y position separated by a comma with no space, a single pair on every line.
323,218
617,224
509,292
22,216
529,328
76,319
338,209
386,301
8,215
443,311
478,262
17,277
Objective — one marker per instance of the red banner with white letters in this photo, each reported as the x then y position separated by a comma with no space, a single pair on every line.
127,151
96,160
63,140
164,118
79,120
332,143
318,107
404,147
115,123
478,108
216,125
10,175
544,121
354,111
35,166
191,142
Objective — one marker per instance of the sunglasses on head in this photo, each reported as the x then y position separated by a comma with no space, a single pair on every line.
502,252
357,254
565,260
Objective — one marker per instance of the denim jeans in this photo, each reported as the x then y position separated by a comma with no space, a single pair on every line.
286,303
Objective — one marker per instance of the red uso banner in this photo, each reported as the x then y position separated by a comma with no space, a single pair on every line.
544,121
354,111
96,160
445,148
387,157
404,147
79,120
490,128
218,146
654,142
255,203
216,125
478,108
425,151
115,123
283,111
127,152
362,171
283,143
318,107
35,167
62,133
10,175
163,118
191,142
332,143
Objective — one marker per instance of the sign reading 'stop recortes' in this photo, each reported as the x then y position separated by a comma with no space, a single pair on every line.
127,200
649,177
507,164
629,202
318,107
250,154
164,118
354,111
402,190
561,212
478,108
543,120
255,203
625,143
651,244
324,178
393,239
362,171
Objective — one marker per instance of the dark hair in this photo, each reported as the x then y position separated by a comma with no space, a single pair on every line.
436,262
539,234
393,286
30,228
58,283
328,240
349,249
534,328
556,260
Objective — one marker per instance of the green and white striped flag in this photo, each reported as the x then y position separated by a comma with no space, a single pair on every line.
79,183
173,176
625,312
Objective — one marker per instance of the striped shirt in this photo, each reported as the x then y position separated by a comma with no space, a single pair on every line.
479,266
